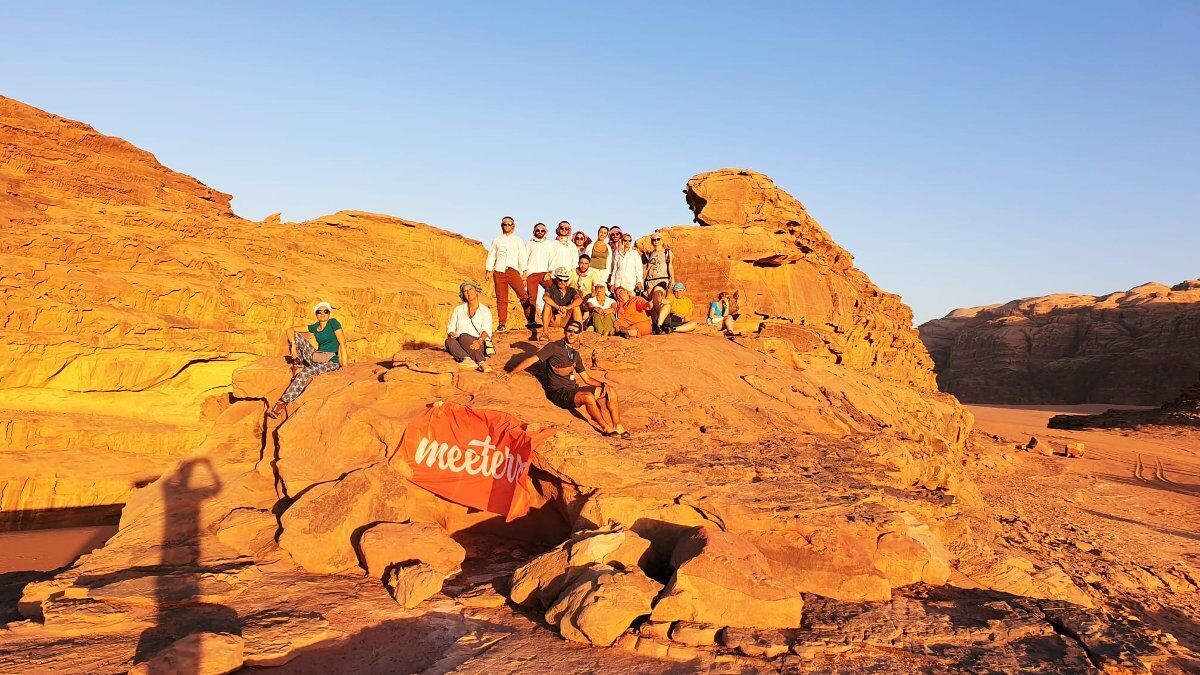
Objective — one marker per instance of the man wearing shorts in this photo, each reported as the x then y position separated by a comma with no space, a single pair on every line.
562,302
570,386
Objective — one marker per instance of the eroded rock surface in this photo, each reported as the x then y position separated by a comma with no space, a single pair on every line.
1139,347
808,475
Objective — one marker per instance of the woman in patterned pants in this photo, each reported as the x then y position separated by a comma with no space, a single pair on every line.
328,356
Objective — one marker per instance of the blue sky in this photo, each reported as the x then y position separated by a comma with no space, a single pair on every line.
966,152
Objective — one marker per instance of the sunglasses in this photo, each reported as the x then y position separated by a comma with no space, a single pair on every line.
322,311
539,232
508,225
573,332
655,238
627,241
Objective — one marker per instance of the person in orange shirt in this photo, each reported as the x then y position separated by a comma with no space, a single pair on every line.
632,320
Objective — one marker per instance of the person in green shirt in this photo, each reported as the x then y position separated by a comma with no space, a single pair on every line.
307,362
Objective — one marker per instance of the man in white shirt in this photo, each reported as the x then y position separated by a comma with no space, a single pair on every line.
538,257
566,253
505,267
627,271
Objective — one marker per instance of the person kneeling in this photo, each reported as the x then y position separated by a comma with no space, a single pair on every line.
565,373
469,331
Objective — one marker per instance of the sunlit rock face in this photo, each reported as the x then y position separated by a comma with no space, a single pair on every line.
1138,347
133,292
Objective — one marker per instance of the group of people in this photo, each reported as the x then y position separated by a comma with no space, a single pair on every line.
607,285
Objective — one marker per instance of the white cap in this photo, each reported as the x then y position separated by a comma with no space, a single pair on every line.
323,304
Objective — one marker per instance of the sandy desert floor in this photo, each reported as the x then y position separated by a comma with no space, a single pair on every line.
1123,521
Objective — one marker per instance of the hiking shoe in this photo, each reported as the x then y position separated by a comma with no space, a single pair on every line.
502,329
468,365
485,368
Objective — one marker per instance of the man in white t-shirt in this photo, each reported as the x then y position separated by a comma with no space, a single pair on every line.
505,267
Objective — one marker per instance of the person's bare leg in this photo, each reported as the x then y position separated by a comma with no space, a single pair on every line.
547,316
685,327
577,314
588,402
631,332
614,409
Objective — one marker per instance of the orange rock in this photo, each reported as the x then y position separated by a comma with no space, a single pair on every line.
386,544
1139,346
600,604
723,579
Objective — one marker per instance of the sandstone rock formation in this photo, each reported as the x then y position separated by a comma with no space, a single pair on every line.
1183,411
1139,347
808,468
761,243
132,293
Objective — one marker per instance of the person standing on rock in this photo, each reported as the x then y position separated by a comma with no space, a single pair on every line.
598,253
659,270
627,269
570,386
505,267
566,253
307,362
538,256
469,331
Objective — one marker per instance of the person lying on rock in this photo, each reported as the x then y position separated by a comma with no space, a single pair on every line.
469,331
672,314
565,372
562,301
307,363
720,314
632,320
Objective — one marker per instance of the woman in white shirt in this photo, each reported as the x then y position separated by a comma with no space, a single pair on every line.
469,330
627,269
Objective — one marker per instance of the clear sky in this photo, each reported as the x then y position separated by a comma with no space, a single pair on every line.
966,152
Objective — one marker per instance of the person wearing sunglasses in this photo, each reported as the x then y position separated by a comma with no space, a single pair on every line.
569,385
562,302
659,271
539,255
505,268
567,253
627,271
582,242
307,362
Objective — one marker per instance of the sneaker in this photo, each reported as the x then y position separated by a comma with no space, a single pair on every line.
502,329
467,365
485,368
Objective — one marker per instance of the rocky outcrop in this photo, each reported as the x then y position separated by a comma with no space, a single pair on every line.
791,278
132,293
1183,411
1138,347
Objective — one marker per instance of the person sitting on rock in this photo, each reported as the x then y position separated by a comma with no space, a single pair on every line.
603,310
562,302
632,320
307,362
672,314
570,386
720,314
469,331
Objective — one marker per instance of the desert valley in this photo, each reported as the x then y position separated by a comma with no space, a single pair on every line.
1012,488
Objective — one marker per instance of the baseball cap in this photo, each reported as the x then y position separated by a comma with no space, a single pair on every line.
679,286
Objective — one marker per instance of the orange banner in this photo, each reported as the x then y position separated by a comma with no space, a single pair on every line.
477,458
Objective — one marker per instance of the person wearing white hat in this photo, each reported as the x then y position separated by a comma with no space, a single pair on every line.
308,362
469,331
562,301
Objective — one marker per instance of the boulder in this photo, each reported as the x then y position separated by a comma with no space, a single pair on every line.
1074,449
249,532
541,580
413,583
318,529
199,653
601,603
387,544
722,579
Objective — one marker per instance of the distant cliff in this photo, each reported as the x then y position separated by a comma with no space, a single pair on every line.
1140,346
